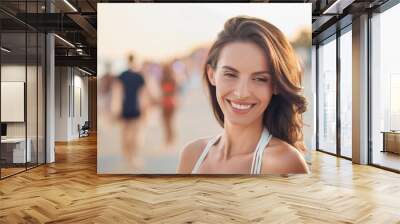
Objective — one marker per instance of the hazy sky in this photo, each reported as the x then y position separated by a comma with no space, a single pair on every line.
161,31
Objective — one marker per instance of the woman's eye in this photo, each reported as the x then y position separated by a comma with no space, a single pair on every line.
230,75
261,79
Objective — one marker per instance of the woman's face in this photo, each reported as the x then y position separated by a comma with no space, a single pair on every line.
243,82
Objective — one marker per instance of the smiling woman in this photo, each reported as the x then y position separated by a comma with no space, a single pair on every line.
254,84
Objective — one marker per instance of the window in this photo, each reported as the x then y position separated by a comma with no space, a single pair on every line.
22,76
385,89
346,93
327,96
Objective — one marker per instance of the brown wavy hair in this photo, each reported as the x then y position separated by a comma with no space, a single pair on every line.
283,116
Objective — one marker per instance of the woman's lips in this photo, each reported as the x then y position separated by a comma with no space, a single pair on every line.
240,107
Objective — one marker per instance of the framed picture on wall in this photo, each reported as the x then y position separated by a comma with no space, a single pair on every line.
202,88
12,101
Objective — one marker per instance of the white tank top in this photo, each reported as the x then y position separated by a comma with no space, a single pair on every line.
256,164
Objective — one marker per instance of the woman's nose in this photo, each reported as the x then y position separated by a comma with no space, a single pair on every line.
242,89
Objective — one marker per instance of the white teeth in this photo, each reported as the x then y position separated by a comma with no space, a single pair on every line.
241,106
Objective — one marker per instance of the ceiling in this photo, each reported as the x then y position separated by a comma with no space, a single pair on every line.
76,22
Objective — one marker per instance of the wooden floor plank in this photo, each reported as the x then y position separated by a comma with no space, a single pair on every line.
70,191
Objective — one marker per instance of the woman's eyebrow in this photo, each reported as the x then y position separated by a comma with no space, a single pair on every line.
254,73
262,72
230,68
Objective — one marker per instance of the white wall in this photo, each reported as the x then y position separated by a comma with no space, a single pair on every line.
12,73
50,94
62,80
360,90
80,93
70,83
33,126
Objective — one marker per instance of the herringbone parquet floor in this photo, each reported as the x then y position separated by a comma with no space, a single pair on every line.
70,191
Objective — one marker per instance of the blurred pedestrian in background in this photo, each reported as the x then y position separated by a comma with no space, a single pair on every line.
151,94
169,103
106,83
132,94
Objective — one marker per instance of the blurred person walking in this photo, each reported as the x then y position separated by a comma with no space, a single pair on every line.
151,93
169,103
107,84
132,83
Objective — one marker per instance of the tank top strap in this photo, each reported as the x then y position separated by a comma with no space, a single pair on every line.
204,154
259,152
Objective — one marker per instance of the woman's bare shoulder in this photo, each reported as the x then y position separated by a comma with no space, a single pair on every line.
190,153
282,158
